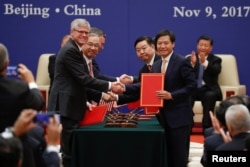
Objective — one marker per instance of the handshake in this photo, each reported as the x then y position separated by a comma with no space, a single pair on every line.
117,87
109,96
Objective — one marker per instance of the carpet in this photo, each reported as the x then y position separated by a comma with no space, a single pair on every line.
198,138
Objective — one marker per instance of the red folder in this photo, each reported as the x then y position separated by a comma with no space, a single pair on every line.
133,105
151,110
150,83
95,116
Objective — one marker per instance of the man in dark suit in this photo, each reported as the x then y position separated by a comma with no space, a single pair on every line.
68,92
215,139
207,69
11,148
145,51
16,94
90,50
176,113
238,124
52,61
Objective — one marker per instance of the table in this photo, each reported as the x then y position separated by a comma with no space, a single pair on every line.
99,146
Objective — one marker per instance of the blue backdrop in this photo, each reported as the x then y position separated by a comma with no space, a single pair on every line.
30,28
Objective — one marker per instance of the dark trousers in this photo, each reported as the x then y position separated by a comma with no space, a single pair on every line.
177,148
68,126
208,99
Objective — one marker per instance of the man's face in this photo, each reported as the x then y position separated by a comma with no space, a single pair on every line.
144,51
164,46
204,47
80,35
91,47
102,43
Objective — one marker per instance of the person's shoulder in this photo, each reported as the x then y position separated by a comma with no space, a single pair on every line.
157,57
13,82
214,57
52,57
178,56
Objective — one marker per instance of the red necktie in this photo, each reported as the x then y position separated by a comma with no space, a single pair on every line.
149,67
91,69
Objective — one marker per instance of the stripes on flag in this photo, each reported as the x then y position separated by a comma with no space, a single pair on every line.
110,104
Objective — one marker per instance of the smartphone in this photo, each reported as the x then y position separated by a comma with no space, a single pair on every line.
43,118
12,71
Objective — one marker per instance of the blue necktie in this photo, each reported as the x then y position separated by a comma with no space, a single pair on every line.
201,70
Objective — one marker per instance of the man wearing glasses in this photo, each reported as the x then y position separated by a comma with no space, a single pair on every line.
72,79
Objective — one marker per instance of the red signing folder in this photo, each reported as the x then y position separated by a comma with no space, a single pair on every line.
150,83
95,116
133,105
151,110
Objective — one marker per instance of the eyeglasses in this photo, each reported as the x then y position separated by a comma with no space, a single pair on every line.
90,44
81,32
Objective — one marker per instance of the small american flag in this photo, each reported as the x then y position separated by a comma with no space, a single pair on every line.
110,104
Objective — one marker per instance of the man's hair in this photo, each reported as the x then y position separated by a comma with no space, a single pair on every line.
207,38
220,111
98,31
78,23
11,151
4,56
148,39
165,33
238,117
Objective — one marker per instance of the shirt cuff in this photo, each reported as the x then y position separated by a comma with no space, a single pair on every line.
205,64
52,148
117,97
33,85
109,86
132,78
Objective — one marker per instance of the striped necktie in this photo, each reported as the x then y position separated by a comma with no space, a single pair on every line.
91,69
163,66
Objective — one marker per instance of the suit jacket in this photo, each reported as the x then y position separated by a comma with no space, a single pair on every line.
210,144
133,90
51,69
211,74
94,95
51,159
237,143
144,69
96,65
15,96
68,92
180,82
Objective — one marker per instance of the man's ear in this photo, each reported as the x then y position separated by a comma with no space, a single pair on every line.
3,71
6,65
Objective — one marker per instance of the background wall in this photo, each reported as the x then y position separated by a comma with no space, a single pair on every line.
28,34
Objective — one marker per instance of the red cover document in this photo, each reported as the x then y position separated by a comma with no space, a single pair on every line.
150,83
151,110
133,105
95,116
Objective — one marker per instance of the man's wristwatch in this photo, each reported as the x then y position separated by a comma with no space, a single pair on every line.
8,133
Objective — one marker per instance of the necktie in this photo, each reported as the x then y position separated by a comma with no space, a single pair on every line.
163,66
91,69
201,70
149,67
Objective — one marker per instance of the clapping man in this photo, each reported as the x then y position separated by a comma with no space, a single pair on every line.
207,68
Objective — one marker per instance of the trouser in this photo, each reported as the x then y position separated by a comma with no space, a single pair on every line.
68,126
